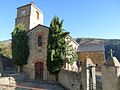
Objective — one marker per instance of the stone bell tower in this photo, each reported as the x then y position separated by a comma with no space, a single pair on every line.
29,15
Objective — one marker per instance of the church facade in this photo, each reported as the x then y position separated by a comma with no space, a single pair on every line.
32,18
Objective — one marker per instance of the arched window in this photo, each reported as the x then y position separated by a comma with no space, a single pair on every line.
37,15
40,40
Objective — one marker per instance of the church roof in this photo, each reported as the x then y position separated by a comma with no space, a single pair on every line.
90,47
36,27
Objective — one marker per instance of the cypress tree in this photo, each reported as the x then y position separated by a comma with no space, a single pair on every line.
56,49
20,50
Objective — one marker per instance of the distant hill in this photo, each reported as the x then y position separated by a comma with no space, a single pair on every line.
108,44
5,48
6,42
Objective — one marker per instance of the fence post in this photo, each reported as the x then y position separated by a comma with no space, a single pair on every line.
88,75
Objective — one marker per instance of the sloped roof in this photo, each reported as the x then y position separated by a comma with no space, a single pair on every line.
90,47
38,26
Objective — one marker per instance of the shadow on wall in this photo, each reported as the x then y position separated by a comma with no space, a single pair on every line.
6,63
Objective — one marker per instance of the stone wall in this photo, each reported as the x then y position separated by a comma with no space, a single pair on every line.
37,53
118,83
84,80
13,78
70,80
109,78
97,57
111,74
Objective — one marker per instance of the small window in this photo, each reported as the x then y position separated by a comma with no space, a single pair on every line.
37,15
40,40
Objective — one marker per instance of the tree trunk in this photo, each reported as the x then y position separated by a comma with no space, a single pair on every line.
56,77
18,67
21,68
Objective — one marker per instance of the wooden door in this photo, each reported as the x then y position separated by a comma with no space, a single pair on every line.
39,71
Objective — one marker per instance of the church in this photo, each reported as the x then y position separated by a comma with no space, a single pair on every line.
32,18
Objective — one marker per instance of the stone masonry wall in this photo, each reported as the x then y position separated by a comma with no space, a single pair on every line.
118,83
70,80
97,57
37,53
109,78
111,74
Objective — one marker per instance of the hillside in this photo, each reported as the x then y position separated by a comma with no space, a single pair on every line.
6,42
114,44
5,48
108,43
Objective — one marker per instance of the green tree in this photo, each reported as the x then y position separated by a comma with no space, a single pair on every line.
56,48
1,48
20,49
5,50
71,54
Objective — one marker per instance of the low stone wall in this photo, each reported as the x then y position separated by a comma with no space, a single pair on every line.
6,80
19,77
119,83
70,80
109,78
13,78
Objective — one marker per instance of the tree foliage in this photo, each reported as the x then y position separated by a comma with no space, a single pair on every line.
5,50
71,54
56,49
20,50
1,48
